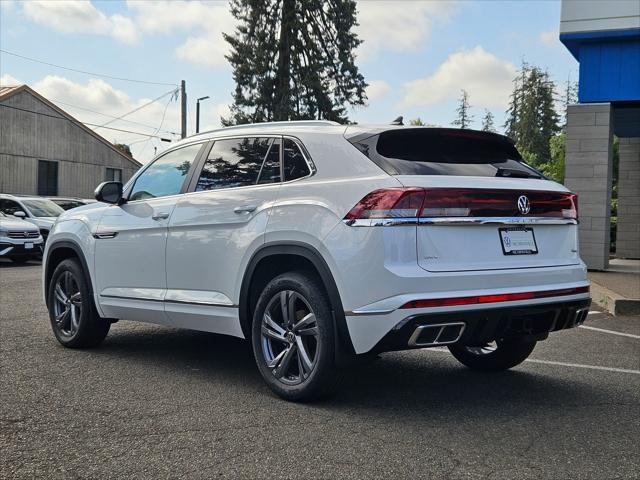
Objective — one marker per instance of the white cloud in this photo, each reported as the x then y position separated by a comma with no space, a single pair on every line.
550,38
7,80
204,21
397,25
484,76
99,96
378,89
69,16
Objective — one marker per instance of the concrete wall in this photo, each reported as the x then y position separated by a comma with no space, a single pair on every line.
589,173
628,233
26,137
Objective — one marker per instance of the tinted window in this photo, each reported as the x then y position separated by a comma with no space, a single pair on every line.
270,172
10,207
68,204
166,175
233,163
294,164
445,152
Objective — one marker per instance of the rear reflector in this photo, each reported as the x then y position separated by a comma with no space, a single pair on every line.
414,202
505,297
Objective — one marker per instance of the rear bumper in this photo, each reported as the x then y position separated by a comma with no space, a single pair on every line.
476,328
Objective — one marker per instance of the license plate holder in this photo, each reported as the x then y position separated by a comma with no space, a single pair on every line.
28,246
518,241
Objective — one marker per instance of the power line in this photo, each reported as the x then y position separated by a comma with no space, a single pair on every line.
172,92
110,116
84,123
159,126
85,72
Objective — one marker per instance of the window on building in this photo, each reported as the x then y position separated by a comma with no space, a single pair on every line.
233,163
166,175
294,164
114,175
47,178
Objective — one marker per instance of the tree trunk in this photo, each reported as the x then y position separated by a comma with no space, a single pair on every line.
281,110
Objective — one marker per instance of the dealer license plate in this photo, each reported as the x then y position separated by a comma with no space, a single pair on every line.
518,241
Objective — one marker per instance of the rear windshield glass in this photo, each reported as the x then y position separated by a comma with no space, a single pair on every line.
445,152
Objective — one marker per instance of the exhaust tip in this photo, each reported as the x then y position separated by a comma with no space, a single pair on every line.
437,334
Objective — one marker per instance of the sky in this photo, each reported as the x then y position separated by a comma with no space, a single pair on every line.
416,56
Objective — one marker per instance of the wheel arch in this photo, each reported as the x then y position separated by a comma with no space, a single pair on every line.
59,251
307,256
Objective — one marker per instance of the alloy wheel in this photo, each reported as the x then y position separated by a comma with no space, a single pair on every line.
67,305
290,337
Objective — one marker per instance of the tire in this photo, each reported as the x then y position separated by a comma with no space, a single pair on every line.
294,347
505,354
69,291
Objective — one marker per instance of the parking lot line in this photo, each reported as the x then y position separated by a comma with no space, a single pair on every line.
579,365
612,332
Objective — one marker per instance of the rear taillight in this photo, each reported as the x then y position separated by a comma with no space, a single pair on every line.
414,202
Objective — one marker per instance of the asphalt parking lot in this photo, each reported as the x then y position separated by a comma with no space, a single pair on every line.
155,402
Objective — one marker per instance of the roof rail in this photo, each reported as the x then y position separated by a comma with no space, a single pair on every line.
301,123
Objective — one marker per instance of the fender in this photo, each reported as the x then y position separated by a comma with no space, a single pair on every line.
79,253
343,340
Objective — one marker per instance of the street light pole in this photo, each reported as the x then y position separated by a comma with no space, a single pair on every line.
198,113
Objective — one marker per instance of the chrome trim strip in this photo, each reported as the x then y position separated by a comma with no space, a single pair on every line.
122,297
445,221
169,301
104,235
198,297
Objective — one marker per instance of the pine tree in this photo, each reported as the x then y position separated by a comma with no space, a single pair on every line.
294,60
569,98
464,115
416,122
487,122
531,117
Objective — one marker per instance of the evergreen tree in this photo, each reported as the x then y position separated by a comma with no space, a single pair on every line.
416,122
569,98
123,147
294,60
487,122
531,117
464,115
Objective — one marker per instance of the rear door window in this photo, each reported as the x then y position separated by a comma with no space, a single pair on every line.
270,172
445,152
233,163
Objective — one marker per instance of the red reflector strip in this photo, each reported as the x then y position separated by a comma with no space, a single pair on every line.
504,297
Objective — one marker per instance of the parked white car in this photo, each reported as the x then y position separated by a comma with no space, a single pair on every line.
321,242
39,211
20,241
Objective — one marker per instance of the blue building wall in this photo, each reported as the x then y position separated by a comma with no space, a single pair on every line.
609,65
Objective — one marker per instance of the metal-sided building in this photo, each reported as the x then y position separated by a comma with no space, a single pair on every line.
605,38
45,151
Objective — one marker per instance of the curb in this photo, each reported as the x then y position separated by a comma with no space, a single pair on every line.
613,302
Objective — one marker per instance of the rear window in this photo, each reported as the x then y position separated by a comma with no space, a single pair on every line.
445,152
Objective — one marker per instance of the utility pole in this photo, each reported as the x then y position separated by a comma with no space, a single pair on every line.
198,113
183,98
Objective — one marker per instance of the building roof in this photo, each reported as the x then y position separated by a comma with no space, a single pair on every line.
9,91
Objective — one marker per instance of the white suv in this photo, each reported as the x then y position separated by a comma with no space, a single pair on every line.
321,242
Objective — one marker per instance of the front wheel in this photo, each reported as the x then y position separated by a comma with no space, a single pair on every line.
293,338
495,356
73,315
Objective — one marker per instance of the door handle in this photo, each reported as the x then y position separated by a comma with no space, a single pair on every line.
160,216
245,209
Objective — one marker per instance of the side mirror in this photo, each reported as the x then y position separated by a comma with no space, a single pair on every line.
109,192
19,214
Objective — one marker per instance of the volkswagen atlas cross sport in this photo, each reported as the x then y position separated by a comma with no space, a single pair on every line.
321,243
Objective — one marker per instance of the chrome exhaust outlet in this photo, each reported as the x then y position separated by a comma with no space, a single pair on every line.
437,334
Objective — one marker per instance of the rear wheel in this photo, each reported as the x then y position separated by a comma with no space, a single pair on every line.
495,356
293,338
72,313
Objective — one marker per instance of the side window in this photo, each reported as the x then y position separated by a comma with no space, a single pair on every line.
233,163
270,172
10,207
166,175
294,164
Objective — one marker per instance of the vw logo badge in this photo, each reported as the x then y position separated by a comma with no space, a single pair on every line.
523,204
